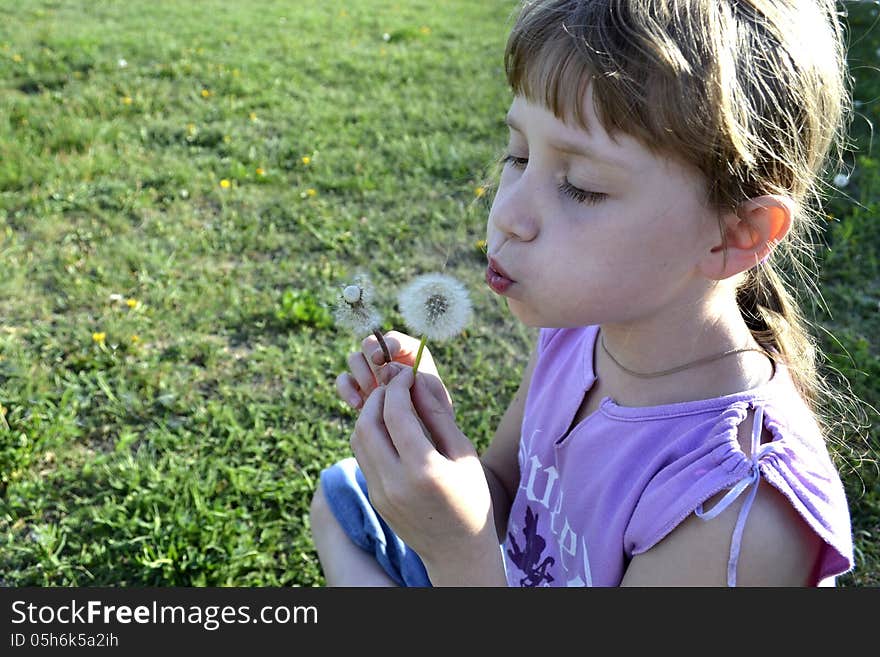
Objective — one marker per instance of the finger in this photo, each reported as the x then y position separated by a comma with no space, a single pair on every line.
403,348
431,402
429,386
348,390
402,423
362,372
374,353
389,371
370,438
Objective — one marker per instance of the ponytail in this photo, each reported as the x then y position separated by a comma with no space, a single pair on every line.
772,315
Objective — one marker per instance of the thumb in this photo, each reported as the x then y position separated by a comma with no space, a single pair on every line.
431,402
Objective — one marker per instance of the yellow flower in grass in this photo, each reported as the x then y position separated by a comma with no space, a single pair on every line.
425,30
99,337
253,116
135,339
206,93
225,184
17,58
306,160
132,303
261,171
126,100
480,192
309,193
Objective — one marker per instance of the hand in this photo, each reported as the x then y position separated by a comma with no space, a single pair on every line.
369,370
425,479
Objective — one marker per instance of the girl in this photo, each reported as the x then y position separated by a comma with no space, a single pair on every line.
661,154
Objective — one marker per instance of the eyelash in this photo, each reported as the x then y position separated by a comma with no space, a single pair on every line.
576,194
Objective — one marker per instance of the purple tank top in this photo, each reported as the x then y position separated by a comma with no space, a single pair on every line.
625,477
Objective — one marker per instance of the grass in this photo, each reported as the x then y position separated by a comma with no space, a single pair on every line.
183,187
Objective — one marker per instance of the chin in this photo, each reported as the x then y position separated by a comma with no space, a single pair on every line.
525,314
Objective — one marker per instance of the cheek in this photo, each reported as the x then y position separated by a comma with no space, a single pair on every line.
675,234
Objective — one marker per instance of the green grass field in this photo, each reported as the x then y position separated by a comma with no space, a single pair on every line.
183,186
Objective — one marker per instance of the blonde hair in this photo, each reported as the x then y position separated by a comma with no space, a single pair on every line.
754,93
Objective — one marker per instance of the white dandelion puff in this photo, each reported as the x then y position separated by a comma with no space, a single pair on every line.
356,312
435,306
352,293
841,180
354,307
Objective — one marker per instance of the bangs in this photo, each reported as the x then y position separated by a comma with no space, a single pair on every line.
642,83
550,72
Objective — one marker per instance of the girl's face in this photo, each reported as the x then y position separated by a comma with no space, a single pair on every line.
592,230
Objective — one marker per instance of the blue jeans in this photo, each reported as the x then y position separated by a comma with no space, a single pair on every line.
345,489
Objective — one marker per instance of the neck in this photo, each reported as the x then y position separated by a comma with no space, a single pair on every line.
677,336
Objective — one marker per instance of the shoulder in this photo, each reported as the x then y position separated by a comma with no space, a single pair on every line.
778,546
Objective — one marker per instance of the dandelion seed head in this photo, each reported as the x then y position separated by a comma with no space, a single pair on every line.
436,306
352,293
354,308
841,180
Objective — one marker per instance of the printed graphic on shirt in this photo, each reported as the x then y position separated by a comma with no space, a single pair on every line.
541,501
528,557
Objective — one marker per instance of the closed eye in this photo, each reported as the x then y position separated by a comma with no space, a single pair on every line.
515,162
580,195
575,193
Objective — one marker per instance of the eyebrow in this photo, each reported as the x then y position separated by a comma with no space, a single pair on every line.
580,150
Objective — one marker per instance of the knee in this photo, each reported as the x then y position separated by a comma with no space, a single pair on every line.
319,510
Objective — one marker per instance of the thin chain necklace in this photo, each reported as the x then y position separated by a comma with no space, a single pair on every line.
673,370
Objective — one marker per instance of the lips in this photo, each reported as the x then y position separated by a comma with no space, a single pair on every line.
493,263
497,278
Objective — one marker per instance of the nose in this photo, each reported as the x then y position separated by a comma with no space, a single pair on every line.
514,211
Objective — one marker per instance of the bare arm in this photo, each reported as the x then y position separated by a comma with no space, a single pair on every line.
778,547
500,458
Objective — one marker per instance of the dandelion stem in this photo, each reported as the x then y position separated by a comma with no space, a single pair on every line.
419,354
382,344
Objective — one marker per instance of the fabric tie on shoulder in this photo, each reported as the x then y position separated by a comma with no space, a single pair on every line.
750,480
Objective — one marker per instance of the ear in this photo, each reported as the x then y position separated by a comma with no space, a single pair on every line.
750,234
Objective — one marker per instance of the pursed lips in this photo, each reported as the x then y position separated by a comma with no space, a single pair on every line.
493,263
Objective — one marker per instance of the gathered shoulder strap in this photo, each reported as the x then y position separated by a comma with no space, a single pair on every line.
749,481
